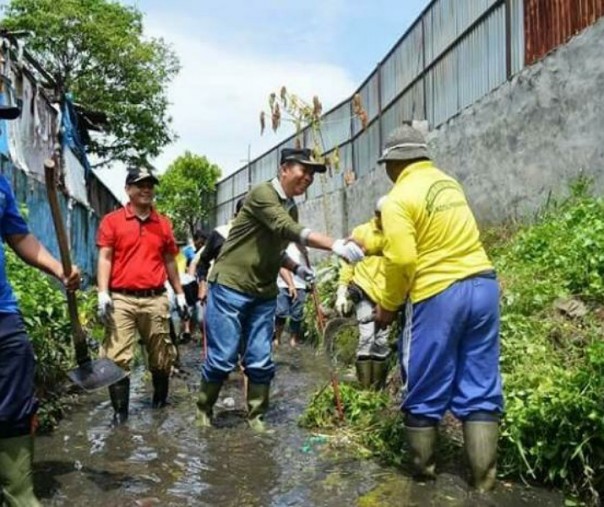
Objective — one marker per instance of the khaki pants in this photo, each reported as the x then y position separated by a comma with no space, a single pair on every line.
149,317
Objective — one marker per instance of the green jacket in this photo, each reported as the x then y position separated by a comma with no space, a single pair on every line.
251,256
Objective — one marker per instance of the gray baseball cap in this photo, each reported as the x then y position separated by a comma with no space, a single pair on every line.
404,143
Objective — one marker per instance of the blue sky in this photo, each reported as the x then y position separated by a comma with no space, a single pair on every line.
234,53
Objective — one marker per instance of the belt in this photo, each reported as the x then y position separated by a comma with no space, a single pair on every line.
141,293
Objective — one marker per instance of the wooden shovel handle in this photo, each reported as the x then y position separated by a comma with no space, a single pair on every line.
79,338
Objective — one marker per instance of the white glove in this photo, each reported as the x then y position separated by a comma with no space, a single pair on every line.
306,274
182,307
343,304
348,250
105,304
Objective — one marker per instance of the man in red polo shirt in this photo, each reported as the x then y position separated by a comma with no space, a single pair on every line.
136,254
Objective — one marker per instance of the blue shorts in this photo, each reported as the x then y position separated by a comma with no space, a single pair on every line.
449,352
292,308
18,403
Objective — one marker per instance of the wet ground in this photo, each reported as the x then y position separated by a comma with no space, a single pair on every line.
161,458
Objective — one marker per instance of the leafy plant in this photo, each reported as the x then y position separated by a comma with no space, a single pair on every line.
96,50
186,189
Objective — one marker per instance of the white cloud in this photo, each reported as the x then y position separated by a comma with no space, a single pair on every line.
219,93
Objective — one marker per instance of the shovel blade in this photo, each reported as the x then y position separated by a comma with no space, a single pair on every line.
9,112
96,374
331,331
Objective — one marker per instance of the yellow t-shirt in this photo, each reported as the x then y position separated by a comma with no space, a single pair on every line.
431,236
369,273
181,262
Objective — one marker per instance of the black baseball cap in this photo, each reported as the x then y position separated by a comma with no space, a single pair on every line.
137,174
302,156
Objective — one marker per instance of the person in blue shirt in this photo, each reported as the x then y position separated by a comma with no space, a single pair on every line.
17,362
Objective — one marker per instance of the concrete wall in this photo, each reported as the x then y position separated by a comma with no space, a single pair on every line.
511,149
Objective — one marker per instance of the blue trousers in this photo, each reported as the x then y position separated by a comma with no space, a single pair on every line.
18,403
292,308
238,322
449,352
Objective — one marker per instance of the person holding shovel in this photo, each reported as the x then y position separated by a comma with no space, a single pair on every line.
243,283
360,285
435,265
18,403
136,255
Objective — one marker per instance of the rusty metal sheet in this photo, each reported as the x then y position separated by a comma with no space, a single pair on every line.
550,23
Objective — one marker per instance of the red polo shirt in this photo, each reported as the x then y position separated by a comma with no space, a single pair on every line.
138,248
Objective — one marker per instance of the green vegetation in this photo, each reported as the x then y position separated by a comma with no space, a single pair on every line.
44,310
552,358
96,50
186,191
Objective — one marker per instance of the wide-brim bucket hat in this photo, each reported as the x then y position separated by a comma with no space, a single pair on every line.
404,143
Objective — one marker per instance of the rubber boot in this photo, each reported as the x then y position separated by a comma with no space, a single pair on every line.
161,383
120,399
379,373
364,372
257,405
422,443
480,441
208,394
16,478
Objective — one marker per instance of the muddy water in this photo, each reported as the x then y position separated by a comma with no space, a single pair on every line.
160,458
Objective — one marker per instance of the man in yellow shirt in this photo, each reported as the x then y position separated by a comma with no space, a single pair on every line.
435,265
359,284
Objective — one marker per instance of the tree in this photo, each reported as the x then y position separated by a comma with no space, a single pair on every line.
95,49
186,189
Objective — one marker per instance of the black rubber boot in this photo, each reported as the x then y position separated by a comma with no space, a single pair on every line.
161,383
120,399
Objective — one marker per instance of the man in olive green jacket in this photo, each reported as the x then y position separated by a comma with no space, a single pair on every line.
242,285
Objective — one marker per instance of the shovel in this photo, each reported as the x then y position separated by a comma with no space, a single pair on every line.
90,374
335,326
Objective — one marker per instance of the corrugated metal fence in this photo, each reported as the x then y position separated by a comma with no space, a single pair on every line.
456,52
550,23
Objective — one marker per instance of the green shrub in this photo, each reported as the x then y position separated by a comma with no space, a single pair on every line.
553,429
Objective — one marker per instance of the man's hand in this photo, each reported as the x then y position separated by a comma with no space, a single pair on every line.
182,307
343,304
383,317
293,293
306,274
71,282
105,305
349,250
202,293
